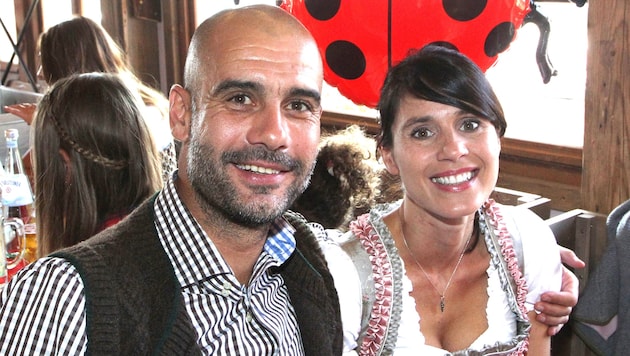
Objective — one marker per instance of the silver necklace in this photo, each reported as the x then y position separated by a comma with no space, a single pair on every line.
448,283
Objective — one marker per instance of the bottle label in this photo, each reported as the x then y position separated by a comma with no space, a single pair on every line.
16,190
30,229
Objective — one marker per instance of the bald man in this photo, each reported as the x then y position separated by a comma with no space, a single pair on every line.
212,264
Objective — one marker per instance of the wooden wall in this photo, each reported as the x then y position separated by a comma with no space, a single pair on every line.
606,158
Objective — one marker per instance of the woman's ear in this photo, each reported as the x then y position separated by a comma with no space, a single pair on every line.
388,160
68,164
179,112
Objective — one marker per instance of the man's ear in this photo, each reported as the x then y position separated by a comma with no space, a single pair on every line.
179,112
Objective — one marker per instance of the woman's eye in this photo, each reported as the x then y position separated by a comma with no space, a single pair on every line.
470,125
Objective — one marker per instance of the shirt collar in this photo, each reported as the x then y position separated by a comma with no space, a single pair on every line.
193,254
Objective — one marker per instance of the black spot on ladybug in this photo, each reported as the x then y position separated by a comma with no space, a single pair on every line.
345,59
322,9
499,39
444,44
464,10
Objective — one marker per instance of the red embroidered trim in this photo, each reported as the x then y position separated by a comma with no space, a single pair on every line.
383,284
495,222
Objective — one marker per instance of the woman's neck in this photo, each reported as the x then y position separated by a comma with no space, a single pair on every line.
437,242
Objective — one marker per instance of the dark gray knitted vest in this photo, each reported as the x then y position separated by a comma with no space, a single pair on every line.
134,305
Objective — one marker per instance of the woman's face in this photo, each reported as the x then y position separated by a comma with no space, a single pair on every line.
447,159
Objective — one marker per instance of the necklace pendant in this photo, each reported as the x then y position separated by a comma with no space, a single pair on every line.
442,305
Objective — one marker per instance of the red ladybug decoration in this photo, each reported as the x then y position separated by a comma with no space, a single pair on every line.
359,40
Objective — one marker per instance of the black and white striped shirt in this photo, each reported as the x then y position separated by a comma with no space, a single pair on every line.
43,307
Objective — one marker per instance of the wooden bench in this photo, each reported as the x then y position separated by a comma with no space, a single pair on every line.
585,233
539,205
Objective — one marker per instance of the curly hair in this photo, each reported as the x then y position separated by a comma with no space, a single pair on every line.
390,187
345,180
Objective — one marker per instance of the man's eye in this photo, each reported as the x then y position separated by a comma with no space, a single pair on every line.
241,99
422,132
300,106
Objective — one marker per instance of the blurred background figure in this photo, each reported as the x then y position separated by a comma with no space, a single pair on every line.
94,159
602,315
81,45
345,181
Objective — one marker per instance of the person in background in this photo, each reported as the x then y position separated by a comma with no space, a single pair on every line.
445,270
213,264
602,316
345,180
94,158
80,45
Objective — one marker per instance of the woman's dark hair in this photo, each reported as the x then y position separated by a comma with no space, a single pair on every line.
112,163
440,75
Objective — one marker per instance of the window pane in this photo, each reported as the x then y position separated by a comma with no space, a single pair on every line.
56,11
8,19
550,113
92,9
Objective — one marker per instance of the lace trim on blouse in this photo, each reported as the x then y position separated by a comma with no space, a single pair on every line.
384,319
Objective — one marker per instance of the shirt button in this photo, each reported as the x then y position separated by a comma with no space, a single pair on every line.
249,317
226,289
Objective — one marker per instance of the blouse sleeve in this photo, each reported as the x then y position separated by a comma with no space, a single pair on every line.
540,255
348,287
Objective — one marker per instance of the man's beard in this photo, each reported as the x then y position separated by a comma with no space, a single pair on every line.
214,191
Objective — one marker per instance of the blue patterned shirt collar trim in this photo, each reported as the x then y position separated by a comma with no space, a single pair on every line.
281,240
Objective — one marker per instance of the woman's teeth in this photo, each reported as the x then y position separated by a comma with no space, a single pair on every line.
455,179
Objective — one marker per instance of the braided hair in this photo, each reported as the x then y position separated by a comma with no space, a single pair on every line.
93,158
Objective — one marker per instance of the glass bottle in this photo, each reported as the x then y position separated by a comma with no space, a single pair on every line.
4,273
17,195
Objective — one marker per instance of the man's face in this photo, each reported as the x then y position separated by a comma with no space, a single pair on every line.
256,126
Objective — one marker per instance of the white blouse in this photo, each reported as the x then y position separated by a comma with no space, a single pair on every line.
541,266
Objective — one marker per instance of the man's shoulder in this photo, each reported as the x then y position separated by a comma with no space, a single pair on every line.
52,273
47,265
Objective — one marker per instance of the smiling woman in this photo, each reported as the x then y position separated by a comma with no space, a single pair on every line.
442,260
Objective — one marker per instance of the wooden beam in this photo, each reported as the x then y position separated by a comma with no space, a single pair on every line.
606,167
